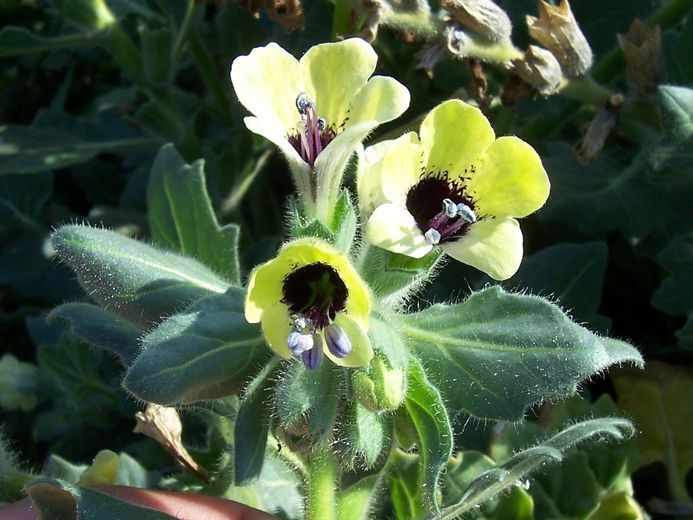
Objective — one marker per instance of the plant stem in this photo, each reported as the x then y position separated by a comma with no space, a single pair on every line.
182,31
321,482
585,90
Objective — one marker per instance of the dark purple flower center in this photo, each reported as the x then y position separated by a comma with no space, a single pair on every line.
316,292
313,133
442,209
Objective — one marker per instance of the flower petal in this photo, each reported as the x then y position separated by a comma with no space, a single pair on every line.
265,288
454,135
299,168
393,228
333,160
310,250
510,180
381,164
276,327
267,82
361,348
334,73
381,99
493,246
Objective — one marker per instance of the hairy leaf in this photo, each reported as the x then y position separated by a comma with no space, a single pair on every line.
130,278
205,352
497,353
181,216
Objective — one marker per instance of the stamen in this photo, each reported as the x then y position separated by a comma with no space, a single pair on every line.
337,341
303,103
450,208
322,124
299,343
432,236
312,358
466,213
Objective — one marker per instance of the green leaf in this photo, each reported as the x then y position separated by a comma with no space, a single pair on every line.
29,149
467,466
156,54
15,41
405,492
92,503
252,426
130,278
569,488
653,399
19,384
497,353
356,501
677,112
605,195
181,216
571,273
306,400
100,328
427,412
393,276
207,351
494,481
675,295
74,369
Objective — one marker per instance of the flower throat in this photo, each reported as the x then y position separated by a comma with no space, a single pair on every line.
313,133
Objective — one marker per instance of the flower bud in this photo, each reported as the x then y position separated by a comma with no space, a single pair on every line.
558,31
642,49
481,16
381,388
103,471
540,69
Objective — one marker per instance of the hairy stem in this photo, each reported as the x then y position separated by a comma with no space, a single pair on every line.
321,482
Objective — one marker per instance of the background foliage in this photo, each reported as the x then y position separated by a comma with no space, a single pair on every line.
86,109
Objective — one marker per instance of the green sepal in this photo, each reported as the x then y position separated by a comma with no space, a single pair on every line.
340,232
497,353
394,277
181,217
99,328
382,384
252,426
426,411
207,351
130,278
364,437
306,401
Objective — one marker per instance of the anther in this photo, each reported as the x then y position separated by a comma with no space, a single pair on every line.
466,213
432,236
450,208
312,358
299,343
322,123
337,340
303,103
